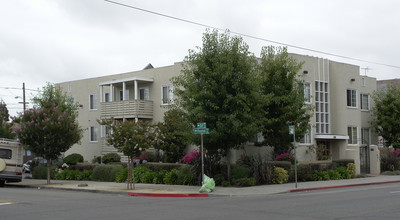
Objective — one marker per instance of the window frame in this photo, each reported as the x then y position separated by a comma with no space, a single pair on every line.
93,101
304,140
307,86
93,134
7,155
352,139
351,98
361,102
170,96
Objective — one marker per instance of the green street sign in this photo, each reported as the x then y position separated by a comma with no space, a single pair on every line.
201,125
201,131
291,129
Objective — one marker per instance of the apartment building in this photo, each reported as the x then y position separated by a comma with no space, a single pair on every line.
339,94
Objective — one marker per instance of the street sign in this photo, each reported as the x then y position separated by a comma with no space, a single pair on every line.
201,125
201,131
291,129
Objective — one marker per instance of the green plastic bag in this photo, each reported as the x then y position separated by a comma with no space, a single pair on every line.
208,186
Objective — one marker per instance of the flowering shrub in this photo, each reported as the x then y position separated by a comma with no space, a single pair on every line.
191,157
285,157
396,153
146,156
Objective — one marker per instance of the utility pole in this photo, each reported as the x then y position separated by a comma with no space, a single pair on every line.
23,96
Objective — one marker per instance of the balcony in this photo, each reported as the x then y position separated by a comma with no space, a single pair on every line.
127,109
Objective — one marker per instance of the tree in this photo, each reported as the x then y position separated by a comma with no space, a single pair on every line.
386,115
283,101
131,138
50,127
4,116
176,134
5,127
218,86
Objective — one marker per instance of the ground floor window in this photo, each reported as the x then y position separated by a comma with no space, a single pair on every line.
352,132
93,133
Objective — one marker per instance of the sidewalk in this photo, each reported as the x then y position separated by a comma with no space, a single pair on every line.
159,190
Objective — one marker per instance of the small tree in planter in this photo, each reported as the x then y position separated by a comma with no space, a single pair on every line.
131,138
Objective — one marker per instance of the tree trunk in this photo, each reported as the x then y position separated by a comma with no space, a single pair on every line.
133,175
128,180
48,171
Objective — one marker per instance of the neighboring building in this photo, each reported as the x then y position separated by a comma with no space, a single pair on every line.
340,122
381,84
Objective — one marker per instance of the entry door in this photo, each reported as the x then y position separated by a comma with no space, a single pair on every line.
364,159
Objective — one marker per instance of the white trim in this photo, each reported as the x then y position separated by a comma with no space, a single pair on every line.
331,136
127,80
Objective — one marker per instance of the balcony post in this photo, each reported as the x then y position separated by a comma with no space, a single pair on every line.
123,91
111,92
101,93
136,90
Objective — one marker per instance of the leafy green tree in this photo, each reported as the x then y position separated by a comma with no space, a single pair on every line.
386,113
176,132
50,127
5,127
131,138
4,116
218,86
283,101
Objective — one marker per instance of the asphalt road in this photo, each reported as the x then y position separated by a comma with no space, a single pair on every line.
370,202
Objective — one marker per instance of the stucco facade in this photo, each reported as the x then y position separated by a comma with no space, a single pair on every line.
339,94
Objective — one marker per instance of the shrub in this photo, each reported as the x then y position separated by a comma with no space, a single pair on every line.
40,172
82,167
239,172
285,157
185,175
225,183
390,160
74,175
159,177
244,182
106,173
344,173
148,177
73,159
342,162
351,167
191,157
320,175
148,156
139,172
170,177
111,157
334,175
156,167
97,160
122,176
280,175
219,178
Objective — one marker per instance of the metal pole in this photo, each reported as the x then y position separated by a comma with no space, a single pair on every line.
23,96
202,161
295,156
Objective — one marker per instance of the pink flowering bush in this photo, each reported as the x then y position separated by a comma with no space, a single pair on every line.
191,157
396,153
285,157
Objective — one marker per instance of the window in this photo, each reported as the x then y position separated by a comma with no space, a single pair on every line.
363,81
106,97
121,95
307,92
5,153
364,99
144,94
307,137
321,107
105,131
167,95
93,102
352,98
365,135
352,132
93,134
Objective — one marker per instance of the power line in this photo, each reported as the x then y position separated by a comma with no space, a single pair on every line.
250,36
2,87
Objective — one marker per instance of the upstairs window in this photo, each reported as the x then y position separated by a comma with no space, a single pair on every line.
364,99
93,102
307,137
352,98
144,94
307,92
167,94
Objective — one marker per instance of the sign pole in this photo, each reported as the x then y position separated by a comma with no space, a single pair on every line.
202,160
295,157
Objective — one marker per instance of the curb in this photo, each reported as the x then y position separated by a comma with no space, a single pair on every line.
171,195
342,186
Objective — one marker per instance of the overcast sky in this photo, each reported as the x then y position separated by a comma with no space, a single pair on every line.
61,40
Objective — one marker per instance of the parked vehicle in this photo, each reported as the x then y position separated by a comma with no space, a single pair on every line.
26,167
11,157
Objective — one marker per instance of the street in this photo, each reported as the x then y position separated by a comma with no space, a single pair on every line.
368,202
